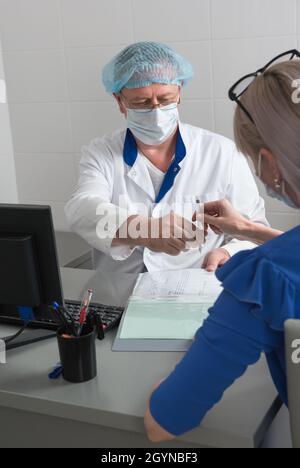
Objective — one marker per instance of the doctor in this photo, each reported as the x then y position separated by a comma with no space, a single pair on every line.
139,187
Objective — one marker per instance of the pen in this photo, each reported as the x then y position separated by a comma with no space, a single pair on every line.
198,201
65,317
84,309
90,321
57,315
85,305
56,372
99,326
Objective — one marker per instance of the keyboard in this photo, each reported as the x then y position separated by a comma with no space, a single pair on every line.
41,330
110,315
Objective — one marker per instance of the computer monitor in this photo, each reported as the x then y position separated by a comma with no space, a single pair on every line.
29,272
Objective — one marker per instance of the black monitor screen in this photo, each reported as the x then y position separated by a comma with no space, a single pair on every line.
29,271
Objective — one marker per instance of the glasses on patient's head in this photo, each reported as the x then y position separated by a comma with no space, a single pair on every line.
147,104
241,86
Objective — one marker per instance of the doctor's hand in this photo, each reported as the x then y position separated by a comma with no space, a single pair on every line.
171,234
215,259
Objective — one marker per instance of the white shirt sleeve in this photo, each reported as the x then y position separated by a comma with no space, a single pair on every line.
244,196
90,212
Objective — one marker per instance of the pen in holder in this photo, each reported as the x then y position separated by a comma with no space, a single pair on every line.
78,355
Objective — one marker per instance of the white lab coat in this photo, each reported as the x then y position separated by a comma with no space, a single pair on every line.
212,169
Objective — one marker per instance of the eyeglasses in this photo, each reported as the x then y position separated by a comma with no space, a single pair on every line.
239,88
148,105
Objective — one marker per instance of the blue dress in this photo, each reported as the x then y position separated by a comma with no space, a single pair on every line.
261,292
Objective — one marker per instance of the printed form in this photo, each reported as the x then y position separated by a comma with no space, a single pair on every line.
170,305
162,284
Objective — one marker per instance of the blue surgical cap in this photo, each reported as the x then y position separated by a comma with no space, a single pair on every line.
143,64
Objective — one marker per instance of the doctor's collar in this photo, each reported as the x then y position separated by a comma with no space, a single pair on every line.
130,150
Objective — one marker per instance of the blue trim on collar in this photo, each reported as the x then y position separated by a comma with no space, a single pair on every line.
174,169
130,152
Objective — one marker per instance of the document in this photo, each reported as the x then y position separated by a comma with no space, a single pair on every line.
182,283
163,320
170,305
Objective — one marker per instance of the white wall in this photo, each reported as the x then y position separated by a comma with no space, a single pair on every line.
54,51
8,183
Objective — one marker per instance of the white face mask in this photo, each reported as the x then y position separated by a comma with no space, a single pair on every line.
153,127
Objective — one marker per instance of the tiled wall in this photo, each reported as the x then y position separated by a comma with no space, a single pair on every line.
8,183
54,51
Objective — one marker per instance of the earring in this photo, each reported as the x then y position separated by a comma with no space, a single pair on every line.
277,184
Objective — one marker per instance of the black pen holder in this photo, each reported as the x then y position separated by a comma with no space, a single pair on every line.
78,355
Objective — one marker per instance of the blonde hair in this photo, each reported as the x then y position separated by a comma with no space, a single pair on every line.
270,100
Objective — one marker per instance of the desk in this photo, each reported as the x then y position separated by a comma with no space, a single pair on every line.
108,411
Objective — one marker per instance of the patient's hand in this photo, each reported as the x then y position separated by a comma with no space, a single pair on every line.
223,218
215,259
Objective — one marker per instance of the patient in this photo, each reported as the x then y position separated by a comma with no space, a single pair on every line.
261,286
